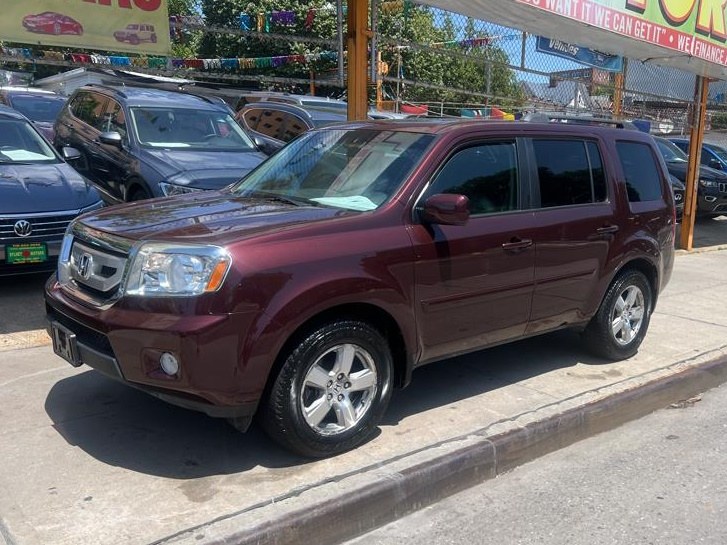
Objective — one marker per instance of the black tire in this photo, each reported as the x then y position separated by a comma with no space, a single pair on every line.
314,376
631,318
138,194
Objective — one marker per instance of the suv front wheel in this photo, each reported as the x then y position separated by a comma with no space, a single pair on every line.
332,390
619,326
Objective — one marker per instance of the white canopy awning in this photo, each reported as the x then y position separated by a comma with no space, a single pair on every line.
607,26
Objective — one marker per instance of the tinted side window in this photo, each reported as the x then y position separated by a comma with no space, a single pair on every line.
487,174
641,171
251,118
294,126
89,107
565,175
684,146
114,119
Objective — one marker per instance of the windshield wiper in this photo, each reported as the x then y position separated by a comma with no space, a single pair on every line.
278,198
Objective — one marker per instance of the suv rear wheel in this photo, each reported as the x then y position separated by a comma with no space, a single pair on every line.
332,390
619,326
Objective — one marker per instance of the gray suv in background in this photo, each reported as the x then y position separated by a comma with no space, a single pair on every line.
137,143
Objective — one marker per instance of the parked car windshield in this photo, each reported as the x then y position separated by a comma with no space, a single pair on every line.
186,128
40,108
21,144
719,152
671,152
354,169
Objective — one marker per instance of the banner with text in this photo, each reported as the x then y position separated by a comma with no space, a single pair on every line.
694,27
581,55
134,26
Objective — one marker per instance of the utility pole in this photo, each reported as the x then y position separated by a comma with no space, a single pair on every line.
358,34
398,78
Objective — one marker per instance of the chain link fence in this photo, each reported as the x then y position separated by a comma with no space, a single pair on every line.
424,61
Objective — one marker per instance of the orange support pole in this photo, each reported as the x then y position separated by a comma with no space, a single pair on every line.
696,135
358,34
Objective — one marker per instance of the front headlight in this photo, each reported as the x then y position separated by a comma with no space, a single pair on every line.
170,190
708,183
63,272
160,269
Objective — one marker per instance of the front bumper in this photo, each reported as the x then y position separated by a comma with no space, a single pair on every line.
712,201
126,345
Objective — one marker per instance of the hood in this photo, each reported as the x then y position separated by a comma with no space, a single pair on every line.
217,217
202,169
680,171
43,188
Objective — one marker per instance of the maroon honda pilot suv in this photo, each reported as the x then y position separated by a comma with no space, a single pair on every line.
306,292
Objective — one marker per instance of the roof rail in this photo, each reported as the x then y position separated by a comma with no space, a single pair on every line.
107,87
540,117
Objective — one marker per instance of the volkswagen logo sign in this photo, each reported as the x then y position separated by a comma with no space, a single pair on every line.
23,228
85,266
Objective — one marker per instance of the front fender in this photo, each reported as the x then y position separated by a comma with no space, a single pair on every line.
279,322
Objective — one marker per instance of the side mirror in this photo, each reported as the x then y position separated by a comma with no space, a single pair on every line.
446,209
713,163
111,138
70,154
267,146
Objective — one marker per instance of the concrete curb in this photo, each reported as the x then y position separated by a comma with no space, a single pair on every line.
703,250
350,505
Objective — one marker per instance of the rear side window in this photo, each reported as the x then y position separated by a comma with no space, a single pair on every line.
569,172
274,123
641,171
89,108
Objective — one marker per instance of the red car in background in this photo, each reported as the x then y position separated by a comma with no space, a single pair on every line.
50,22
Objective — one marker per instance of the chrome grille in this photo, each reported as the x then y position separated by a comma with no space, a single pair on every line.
94,269
723,187
45,227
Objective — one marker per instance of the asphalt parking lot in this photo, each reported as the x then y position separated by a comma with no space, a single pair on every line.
22,311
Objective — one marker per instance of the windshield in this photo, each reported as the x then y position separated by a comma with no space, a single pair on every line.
201,130
42,109
354,169
20,144
719,152
671,152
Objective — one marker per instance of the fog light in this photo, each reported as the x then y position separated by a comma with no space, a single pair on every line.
709,198
169,364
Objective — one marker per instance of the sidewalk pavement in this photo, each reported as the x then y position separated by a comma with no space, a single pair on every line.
87,460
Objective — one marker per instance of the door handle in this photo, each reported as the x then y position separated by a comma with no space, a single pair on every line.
516,244
607,229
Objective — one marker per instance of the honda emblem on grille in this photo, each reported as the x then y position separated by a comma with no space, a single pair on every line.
85,265
23,228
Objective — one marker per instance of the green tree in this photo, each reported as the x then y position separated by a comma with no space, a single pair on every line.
313,19
480,69
185,43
